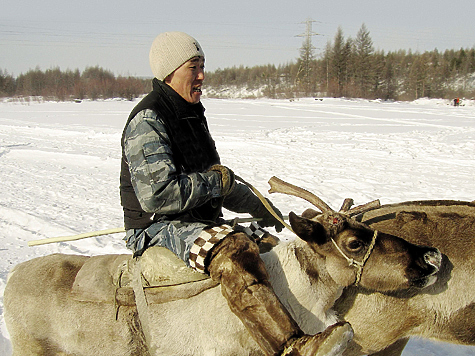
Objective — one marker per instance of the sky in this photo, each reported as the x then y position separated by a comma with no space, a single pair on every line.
117,35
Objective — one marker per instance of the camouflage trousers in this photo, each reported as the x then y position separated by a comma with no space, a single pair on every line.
189,241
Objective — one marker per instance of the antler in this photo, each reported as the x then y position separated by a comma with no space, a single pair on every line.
279,186
345,208
347,204
364,208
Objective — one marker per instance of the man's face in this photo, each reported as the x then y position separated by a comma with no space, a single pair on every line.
188,79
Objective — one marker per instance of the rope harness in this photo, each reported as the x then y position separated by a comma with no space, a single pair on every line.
359,265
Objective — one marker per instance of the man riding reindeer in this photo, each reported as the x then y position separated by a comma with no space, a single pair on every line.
173,188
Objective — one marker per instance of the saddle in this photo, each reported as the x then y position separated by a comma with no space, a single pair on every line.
164,278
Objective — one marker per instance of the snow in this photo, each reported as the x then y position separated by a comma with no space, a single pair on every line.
59,165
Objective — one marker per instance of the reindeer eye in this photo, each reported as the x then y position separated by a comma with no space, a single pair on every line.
355,245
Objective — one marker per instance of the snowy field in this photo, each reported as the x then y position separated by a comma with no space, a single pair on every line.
59,165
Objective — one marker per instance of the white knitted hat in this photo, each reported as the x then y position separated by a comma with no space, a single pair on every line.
170,50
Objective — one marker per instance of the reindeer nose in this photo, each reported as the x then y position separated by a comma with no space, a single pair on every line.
433,258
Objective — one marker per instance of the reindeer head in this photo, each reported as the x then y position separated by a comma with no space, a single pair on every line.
356,254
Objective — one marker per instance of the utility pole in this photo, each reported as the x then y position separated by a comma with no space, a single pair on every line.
307,52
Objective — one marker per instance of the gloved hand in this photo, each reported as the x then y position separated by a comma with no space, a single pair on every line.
227,178
267,218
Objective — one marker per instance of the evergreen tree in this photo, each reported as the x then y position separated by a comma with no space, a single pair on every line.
306,66
7,84
338,64
364,62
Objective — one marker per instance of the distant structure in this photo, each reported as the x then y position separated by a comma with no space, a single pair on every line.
307,52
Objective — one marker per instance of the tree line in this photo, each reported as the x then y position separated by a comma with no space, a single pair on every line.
351,67
348,67
93,83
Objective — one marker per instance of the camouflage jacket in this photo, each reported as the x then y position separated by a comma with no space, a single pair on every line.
164,188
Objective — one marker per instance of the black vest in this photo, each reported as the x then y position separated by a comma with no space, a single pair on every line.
193,151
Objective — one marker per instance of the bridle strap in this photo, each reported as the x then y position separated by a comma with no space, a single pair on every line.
359,265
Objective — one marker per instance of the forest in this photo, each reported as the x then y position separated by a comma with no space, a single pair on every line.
347,67
352,68
53,84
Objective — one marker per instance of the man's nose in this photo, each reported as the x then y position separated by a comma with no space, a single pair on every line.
201,75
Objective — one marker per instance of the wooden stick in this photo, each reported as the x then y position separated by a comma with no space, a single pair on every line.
110,232
264,202
75,237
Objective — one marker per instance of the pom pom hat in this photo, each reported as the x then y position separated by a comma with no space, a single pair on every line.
170,50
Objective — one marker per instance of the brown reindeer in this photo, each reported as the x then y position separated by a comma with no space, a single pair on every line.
444,311
383,322
45,317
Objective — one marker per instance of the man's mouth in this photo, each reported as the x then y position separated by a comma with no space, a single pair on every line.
197,89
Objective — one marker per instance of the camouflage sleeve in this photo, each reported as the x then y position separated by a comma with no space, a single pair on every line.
156,183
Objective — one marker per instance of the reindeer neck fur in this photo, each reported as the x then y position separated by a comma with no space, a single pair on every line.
301,281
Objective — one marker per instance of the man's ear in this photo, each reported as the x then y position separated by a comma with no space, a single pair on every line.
308,230
168,79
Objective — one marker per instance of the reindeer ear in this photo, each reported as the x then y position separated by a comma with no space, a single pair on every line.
307,230
310,213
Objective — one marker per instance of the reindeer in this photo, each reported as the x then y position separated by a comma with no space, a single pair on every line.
44,316
444,311
383,321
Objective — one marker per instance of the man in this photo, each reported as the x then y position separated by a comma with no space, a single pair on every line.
173,188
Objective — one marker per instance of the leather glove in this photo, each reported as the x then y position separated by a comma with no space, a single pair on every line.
267,218
227,178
